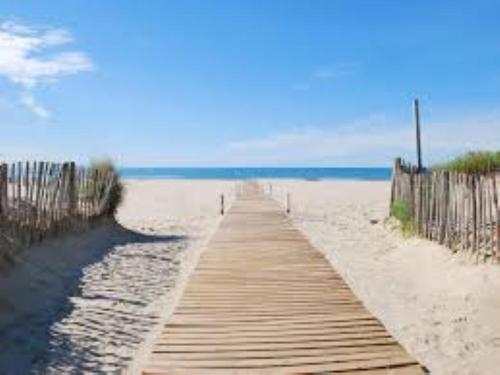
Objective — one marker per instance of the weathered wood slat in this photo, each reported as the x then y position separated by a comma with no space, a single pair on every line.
401,370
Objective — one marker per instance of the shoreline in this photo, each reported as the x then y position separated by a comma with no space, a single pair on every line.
256,173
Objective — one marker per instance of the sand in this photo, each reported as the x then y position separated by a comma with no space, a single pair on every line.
443,308
94,302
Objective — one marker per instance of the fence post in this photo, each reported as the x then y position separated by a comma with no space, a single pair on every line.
72,192
222,204
498,234
416,108
474,212
3,190
412,191
395,176
497,211
445,198
288,203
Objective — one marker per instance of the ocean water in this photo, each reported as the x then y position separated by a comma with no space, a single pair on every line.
257,173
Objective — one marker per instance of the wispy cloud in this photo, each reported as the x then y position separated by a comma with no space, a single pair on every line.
29,101
327,73
336,71
375,140
24,60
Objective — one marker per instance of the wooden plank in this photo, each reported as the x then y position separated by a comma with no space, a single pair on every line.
346,359
390,364
294,326
276,353
406,370
272,346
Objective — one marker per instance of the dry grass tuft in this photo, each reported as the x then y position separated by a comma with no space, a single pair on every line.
473,162
117,192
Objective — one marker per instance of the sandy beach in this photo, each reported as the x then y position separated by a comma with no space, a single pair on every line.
107,292
143,142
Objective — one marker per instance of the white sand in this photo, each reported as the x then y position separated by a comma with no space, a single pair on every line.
442,308
91,303
105,294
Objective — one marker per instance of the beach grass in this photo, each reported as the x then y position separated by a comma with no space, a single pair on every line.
117,190
473,162
401,211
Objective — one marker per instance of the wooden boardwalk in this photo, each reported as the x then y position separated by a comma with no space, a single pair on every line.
263,301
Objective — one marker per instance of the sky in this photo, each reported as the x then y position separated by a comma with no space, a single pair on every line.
247,83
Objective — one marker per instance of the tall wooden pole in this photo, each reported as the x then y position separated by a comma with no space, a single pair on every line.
417,125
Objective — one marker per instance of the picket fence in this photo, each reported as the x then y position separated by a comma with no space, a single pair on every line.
457,210
38,199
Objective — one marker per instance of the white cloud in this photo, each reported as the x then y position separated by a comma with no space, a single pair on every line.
335,71
373,141
24,60
29,101
327,73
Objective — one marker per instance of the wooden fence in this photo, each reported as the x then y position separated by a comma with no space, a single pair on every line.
38,199
457,210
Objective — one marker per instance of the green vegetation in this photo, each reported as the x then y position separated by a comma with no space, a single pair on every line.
479,162
117,191
401,211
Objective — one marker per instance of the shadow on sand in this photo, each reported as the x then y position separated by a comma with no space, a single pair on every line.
37,291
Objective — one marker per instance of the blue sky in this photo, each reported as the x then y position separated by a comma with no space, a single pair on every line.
261,83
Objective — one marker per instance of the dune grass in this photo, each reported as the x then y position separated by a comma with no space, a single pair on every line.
117,192
474,162
401,211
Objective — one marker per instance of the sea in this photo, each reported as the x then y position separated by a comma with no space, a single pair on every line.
233,173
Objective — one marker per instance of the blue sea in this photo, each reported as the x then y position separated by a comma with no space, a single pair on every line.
257,173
